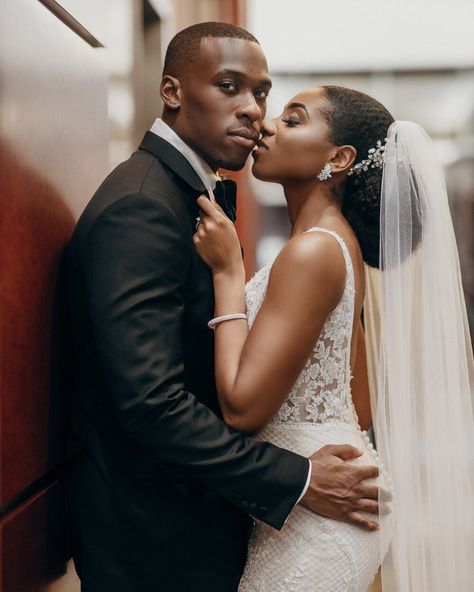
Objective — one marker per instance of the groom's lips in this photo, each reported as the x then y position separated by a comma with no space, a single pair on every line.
244,137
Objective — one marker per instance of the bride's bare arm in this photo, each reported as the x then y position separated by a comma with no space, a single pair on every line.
230,336
256,369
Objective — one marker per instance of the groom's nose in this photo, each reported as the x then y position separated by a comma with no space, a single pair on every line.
250,108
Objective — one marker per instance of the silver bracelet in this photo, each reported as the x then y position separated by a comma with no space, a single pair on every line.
229,317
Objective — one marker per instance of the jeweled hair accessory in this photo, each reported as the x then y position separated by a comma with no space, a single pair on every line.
374,160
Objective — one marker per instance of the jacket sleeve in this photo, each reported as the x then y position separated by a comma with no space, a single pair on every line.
136,259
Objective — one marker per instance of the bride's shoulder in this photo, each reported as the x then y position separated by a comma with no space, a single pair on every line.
313,256
312,250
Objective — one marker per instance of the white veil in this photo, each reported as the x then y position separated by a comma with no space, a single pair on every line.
422,374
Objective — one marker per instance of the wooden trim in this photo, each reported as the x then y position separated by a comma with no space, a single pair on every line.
65,17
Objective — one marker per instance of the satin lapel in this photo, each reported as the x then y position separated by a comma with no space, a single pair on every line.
180,165
173,159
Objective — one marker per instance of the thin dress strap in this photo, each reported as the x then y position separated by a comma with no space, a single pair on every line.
345,251
349,290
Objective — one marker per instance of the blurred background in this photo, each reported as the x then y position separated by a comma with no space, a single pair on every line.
79,84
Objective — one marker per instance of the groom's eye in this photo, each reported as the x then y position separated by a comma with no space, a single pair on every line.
261,93
228,86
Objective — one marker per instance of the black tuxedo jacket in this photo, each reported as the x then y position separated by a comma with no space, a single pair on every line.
160,497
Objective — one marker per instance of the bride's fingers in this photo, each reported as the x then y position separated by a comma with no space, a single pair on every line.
208,208
357,520
211,208
217,206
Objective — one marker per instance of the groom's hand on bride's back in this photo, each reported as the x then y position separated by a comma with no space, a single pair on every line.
338,490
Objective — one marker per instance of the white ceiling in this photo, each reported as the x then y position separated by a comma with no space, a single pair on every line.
355,35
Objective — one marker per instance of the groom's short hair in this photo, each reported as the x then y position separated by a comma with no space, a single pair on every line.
184,46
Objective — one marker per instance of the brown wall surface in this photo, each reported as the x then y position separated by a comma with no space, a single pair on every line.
53,154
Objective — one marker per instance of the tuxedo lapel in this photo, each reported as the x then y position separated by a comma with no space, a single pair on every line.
173,159
225,191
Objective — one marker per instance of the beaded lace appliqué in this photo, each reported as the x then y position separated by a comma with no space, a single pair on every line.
322,391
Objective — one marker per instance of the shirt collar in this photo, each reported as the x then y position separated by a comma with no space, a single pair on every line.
203,170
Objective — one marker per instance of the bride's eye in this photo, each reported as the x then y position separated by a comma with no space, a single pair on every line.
290,121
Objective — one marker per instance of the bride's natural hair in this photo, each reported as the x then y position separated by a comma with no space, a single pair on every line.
360,121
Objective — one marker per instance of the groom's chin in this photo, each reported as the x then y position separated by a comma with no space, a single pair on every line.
232,165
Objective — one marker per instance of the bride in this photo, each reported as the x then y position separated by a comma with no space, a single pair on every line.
359,188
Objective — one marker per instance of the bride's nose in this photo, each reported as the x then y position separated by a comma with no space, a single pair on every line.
268,128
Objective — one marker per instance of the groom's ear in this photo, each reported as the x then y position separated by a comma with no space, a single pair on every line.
170,91
343,158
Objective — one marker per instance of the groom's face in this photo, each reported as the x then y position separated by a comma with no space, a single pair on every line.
223,100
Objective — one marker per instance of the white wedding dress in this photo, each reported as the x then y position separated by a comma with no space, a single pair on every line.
312,553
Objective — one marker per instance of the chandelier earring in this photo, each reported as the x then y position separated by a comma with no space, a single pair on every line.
325,174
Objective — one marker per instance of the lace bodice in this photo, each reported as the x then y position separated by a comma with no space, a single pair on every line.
322,391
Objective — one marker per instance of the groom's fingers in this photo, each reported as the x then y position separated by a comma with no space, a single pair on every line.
384,509
367,472
357,520
367,491
367,505
343,451
385,495
372,492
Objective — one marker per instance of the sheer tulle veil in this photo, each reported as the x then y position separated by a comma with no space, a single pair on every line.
422,375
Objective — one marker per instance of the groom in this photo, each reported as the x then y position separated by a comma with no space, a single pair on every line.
161,496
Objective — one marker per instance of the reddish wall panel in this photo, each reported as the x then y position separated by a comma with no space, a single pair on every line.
33,542
34,227
53,155
53,141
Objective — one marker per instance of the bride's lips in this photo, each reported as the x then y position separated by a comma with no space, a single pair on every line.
260,148
244,137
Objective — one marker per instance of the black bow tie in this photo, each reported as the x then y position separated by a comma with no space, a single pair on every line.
225,194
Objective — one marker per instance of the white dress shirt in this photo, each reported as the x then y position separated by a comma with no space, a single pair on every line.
204,171
209,178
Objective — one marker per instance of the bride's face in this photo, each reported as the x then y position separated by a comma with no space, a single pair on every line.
295,146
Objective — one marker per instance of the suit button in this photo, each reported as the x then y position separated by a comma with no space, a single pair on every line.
244,504
253,507
237,497
262,510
